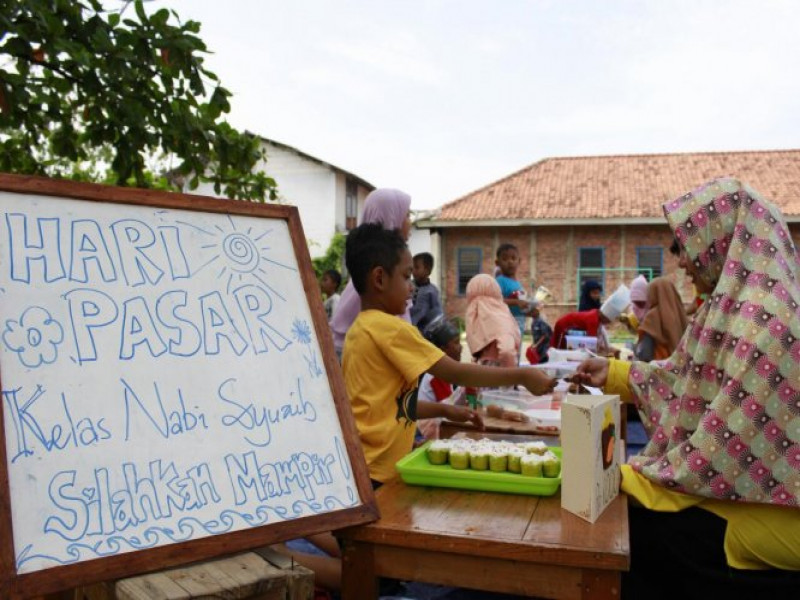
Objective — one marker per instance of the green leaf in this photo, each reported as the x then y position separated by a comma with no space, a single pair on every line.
105,103
160,17
140,11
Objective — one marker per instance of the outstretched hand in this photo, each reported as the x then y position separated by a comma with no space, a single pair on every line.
537,382
593,372
464,414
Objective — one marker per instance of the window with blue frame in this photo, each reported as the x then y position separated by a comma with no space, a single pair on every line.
591,262
650,261
469,261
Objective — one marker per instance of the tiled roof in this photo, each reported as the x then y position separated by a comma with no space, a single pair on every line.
624,187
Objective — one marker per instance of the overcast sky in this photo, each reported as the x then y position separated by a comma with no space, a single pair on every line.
441,97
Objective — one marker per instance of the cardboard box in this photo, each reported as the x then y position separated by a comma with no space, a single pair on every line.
590,429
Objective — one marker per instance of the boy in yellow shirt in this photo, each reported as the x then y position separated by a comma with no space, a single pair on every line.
384,356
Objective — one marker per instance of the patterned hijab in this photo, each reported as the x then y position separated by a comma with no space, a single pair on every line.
724,412
488,319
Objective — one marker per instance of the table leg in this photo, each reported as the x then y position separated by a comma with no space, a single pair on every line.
358,571
601,585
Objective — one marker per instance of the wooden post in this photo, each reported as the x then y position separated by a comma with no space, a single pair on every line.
358,582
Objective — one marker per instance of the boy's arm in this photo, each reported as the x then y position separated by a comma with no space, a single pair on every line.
458,414
472,375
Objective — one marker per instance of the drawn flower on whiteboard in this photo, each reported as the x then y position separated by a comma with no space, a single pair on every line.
34,337
301,332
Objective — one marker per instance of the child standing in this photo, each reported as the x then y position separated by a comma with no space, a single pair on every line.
426,304
507,260
541,332
493,335
329,284
384,356
443,334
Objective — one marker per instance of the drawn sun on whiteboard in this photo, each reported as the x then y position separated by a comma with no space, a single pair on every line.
240,255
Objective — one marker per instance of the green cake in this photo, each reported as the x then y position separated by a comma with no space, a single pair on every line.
551,465
459,458
498,461
532,465
479,459
515,461
438,452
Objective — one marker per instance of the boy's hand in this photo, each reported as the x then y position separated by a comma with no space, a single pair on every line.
537,382
463,414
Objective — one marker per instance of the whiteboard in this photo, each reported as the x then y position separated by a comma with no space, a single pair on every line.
162,379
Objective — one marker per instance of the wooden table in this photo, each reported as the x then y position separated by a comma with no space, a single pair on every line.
507,543
448,429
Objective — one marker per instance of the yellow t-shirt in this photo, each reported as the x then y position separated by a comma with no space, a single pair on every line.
757,536
382,361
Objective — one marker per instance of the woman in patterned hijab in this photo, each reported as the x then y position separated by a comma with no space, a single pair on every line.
723,412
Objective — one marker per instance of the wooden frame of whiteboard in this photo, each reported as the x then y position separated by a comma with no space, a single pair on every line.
55,579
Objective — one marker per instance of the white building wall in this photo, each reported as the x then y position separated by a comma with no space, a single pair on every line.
317,190
420,241
308,185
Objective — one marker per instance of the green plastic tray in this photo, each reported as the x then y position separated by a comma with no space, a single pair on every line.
416,470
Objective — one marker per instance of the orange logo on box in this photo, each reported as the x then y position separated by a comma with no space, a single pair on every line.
607,438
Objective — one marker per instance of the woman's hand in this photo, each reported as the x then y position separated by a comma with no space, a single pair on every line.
463,414
537,382
593,372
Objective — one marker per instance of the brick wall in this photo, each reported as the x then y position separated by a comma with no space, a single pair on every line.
549,257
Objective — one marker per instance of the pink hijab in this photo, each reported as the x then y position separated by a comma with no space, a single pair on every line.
639,294
488,319
389,208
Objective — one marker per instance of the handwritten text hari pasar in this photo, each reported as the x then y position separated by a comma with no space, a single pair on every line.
143,256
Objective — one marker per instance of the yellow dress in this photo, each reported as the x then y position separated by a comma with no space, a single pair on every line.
757,536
